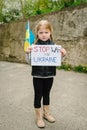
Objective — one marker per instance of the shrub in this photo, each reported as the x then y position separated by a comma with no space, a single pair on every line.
79,68
11,15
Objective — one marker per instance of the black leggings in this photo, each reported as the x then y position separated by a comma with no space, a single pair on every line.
42,87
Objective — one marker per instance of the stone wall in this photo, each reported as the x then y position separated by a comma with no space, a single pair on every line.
70,31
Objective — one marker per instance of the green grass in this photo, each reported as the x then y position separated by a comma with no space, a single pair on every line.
79,68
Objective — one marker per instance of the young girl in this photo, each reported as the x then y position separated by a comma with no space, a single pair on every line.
43,76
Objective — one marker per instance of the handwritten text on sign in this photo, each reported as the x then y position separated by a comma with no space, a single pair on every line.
46,55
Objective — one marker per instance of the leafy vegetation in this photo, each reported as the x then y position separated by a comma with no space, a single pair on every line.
26,8
79,68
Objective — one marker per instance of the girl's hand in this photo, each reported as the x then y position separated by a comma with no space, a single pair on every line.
63,52
29,49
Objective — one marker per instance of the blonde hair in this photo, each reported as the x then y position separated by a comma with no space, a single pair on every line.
47,26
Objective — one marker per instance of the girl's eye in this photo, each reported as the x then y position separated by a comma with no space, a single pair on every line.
41,32
46,32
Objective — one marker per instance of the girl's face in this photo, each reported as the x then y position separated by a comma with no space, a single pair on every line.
43,33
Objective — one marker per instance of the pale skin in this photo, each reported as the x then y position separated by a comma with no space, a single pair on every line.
44,34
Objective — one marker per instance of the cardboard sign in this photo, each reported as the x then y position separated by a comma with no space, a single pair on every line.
46,55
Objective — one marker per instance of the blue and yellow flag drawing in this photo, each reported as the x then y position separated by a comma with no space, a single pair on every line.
29,38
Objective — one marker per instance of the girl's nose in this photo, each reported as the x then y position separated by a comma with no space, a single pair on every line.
44,34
